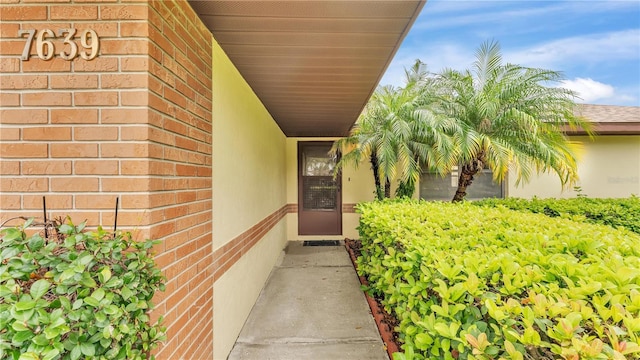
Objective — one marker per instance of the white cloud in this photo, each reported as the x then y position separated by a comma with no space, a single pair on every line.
592,48
589,90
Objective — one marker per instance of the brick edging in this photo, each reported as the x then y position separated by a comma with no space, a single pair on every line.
226,256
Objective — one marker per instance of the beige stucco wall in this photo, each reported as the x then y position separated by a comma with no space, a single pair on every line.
237,290
248,185
609,167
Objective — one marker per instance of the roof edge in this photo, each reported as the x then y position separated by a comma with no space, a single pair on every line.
609,128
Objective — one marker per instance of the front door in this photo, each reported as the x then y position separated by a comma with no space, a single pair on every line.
319,196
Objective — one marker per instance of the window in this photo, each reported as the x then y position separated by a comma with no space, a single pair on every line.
437,187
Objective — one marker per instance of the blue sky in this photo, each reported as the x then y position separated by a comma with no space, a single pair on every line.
595,44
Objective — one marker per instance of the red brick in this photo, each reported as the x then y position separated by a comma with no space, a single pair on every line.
24,184
47,99
46,167
74,81
123,116
175,97
48,1
53,201
9,30
96,98
74,184
139,133
23,150
39,25
9,167
75,151
124,150
133,201
161,199
56,64
19,13
74,116
9,99
95,133
134,167
100,64
66,12
13,82
102,28
129,218
95,201
134,98
124,12
8,134
125,184
12,47
124,81
161,136
124,47
9,65
95,167
134,29
48,133
10,202
134,63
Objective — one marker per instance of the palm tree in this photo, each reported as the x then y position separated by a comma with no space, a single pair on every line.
509,118
399,135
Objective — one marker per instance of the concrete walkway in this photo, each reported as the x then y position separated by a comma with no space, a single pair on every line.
310,308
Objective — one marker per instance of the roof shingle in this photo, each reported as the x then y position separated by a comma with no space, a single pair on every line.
609,113
610,119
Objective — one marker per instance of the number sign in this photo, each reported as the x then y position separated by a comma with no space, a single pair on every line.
46,49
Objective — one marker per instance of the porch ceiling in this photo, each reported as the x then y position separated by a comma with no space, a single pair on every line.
314,64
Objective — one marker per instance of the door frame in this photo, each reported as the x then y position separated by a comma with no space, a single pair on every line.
339,230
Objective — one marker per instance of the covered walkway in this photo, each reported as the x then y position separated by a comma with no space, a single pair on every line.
310,308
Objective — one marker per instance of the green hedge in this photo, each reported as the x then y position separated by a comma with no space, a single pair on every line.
77,294
472,282
613,212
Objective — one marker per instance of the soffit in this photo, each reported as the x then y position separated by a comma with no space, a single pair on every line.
313,64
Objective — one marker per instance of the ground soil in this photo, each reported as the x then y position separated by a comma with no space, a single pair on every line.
386,322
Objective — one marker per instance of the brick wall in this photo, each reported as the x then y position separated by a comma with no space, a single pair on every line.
134,123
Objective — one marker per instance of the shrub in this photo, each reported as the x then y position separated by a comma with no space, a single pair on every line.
613,212
76,294
472,282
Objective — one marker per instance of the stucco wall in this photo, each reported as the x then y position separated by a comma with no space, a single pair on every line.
609,167
249,199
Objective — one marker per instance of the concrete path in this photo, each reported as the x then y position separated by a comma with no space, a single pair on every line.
311,308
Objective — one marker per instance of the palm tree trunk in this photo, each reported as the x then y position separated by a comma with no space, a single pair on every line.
376,175
387,189
467,172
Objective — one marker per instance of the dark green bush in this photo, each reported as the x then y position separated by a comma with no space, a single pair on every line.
471,282
613,212
76,294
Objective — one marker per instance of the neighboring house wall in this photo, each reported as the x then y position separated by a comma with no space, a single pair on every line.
249,199
133,123
609,168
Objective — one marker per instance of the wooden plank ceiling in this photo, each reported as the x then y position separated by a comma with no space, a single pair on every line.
314,64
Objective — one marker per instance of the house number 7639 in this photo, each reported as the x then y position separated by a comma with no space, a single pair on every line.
46,50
